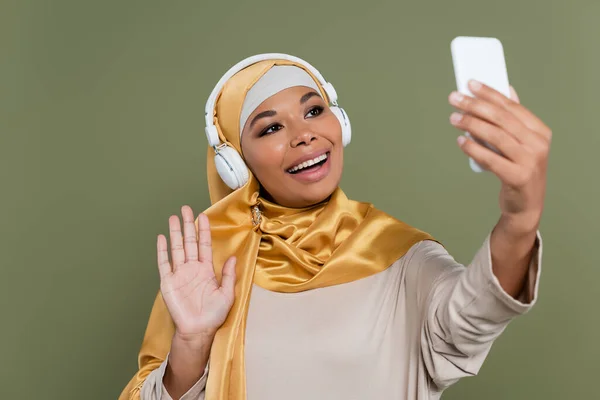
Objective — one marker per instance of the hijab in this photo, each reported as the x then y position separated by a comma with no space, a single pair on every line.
281,249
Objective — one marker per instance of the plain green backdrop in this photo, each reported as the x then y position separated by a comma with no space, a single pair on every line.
101,118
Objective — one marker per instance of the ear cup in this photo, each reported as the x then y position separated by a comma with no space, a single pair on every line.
344,122
231,167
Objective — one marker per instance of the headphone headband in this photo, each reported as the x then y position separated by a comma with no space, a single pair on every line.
209,109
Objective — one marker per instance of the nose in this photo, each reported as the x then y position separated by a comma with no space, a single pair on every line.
304,138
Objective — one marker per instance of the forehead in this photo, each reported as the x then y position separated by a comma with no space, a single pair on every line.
293,96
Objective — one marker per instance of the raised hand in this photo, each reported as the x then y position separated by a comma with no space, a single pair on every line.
198,304
521,137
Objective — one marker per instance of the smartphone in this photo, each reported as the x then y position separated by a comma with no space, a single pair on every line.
482,59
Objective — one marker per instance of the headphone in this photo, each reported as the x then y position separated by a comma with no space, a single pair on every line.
229,163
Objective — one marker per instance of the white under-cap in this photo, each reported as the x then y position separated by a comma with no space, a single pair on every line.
276,79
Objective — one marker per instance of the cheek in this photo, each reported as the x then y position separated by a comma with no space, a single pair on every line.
333,130
266,158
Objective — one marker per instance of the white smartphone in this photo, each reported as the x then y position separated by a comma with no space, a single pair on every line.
482,59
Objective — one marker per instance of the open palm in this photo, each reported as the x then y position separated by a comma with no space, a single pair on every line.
198,304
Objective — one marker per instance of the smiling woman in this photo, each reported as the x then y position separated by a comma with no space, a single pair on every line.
294,171
286,289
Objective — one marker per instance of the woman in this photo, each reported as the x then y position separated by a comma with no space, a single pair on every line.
295,292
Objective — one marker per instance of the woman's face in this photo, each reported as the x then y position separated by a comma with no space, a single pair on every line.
292,143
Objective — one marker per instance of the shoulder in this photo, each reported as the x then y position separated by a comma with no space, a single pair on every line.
424,250
426,263
426,253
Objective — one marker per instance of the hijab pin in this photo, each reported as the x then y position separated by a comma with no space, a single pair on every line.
256,215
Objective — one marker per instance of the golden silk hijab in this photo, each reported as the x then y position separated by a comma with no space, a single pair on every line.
280,249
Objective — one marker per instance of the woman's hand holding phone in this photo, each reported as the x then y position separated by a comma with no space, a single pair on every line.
523,141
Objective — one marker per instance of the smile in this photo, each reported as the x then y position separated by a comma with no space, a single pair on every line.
317,161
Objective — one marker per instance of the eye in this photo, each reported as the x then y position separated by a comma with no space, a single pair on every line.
270,129
314,111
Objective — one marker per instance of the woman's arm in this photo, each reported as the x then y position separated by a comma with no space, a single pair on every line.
524,142
187,365
511,257
188,311
162,354
464,309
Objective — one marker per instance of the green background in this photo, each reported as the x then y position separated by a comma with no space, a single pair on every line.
101,117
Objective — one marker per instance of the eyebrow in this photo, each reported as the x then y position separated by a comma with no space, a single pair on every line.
264,114
307,96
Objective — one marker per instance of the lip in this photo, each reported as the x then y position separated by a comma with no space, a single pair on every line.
307,157
313,175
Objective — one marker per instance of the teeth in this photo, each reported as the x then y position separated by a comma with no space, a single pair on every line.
308,163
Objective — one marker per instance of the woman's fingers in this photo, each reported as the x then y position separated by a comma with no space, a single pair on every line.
204,240
162,255
228,279
536,128
488,111
177,250
486,132
503,168
190,242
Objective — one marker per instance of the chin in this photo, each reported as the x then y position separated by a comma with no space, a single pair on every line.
316,194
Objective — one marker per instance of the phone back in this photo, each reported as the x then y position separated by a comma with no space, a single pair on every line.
481,59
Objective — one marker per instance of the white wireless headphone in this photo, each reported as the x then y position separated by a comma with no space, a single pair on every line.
229,163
